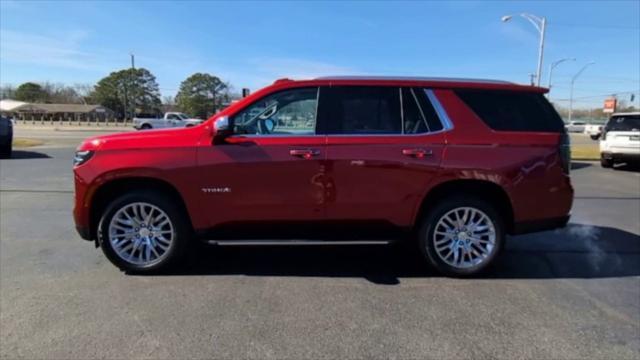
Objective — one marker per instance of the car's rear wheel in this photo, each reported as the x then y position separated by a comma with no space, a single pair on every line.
145,127
143,232
462,236
595,137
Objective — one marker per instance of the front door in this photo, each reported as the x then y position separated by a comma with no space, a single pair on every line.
384,146
270,171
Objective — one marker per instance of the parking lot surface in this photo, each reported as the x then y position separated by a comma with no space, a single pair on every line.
565,294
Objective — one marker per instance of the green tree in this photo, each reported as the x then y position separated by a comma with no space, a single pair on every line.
202,95
31,92
121,89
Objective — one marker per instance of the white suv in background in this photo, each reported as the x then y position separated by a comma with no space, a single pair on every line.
620,141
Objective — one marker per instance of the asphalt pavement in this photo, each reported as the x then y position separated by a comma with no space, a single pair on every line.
564,294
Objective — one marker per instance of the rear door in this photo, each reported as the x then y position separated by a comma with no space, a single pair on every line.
384,146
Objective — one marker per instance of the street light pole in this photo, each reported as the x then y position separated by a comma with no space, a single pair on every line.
573,80
553,66
133,96
540,23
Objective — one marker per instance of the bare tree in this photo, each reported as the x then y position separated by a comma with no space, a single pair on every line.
7,91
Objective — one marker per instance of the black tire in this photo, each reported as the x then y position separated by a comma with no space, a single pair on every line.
426,237
5,151
595,137
606,163
176,215
146,127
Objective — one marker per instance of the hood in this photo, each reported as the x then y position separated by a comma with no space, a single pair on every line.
161,138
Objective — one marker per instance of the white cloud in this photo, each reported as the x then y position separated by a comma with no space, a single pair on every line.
54,50
261,71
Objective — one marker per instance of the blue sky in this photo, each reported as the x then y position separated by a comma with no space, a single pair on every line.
251,44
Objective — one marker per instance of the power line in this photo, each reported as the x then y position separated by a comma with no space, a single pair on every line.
594,26
597,96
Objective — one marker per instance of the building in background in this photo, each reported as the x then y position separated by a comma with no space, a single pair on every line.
54,112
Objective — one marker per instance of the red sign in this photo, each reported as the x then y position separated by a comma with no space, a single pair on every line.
610,105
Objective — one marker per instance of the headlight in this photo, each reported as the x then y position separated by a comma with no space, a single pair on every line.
82,157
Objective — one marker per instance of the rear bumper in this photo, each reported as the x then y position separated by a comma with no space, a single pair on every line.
526,227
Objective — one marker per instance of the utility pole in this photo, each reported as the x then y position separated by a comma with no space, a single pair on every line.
573,80
133,100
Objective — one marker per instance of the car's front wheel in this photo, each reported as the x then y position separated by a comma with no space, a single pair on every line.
461,236
143,232
605,162
5,151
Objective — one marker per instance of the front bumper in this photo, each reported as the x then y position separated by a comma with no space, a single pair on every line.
84,233
621,157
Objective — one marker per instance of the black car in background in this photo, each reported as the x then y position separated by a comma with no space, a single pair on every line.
6,137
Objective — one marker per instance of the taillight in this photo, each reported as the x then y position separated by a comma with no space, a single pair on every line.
565,152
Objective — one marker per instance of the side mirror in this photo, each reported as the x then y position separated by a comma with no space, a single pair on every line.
221,129
221,124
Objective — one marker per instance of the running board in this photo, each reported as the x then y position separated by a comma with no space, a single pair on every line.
295,242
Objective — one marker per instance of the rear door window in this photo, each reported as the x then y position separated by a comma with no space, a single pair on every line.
513,111
362,110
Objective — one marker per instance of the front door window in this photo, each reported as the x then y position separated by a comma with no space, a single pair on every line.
290,112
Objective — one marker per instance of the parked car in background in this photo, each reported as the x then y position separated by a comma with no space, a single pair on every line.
451,165
6,137
576,126
593,130
169,120
620,140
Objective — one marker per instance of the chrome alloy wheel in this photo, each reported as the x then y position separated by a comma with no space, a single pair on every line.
464,237
141,233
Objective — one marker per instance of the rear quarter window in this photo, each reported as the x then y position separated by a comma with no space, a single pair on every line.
513,111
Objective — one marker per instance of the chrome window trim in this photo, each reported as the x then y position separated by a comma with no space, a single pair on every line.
252,136
424,118
442,113
401,112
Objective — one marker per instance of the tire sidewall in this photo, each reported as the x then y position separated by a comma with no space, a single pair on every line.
427,245
5,151
606,163
176,248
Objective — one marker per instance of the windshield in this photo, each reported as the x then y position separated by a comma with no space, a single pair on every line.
182,116
624,123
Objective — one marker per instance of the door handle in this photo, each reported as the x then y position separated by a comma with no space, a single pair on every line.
304,153
417,153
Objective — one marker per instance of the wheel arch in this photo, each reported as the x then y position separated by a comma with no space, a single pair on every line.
486,190
108,191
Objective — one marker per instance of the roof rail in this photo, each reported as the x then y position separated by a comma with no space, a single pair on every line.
282,80
413,78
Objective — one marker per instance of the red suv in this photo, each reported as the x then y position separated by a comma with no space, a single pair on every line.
454,165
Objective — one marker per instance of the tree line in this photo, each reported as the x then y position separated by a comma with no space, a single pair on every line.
591,113
131,91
